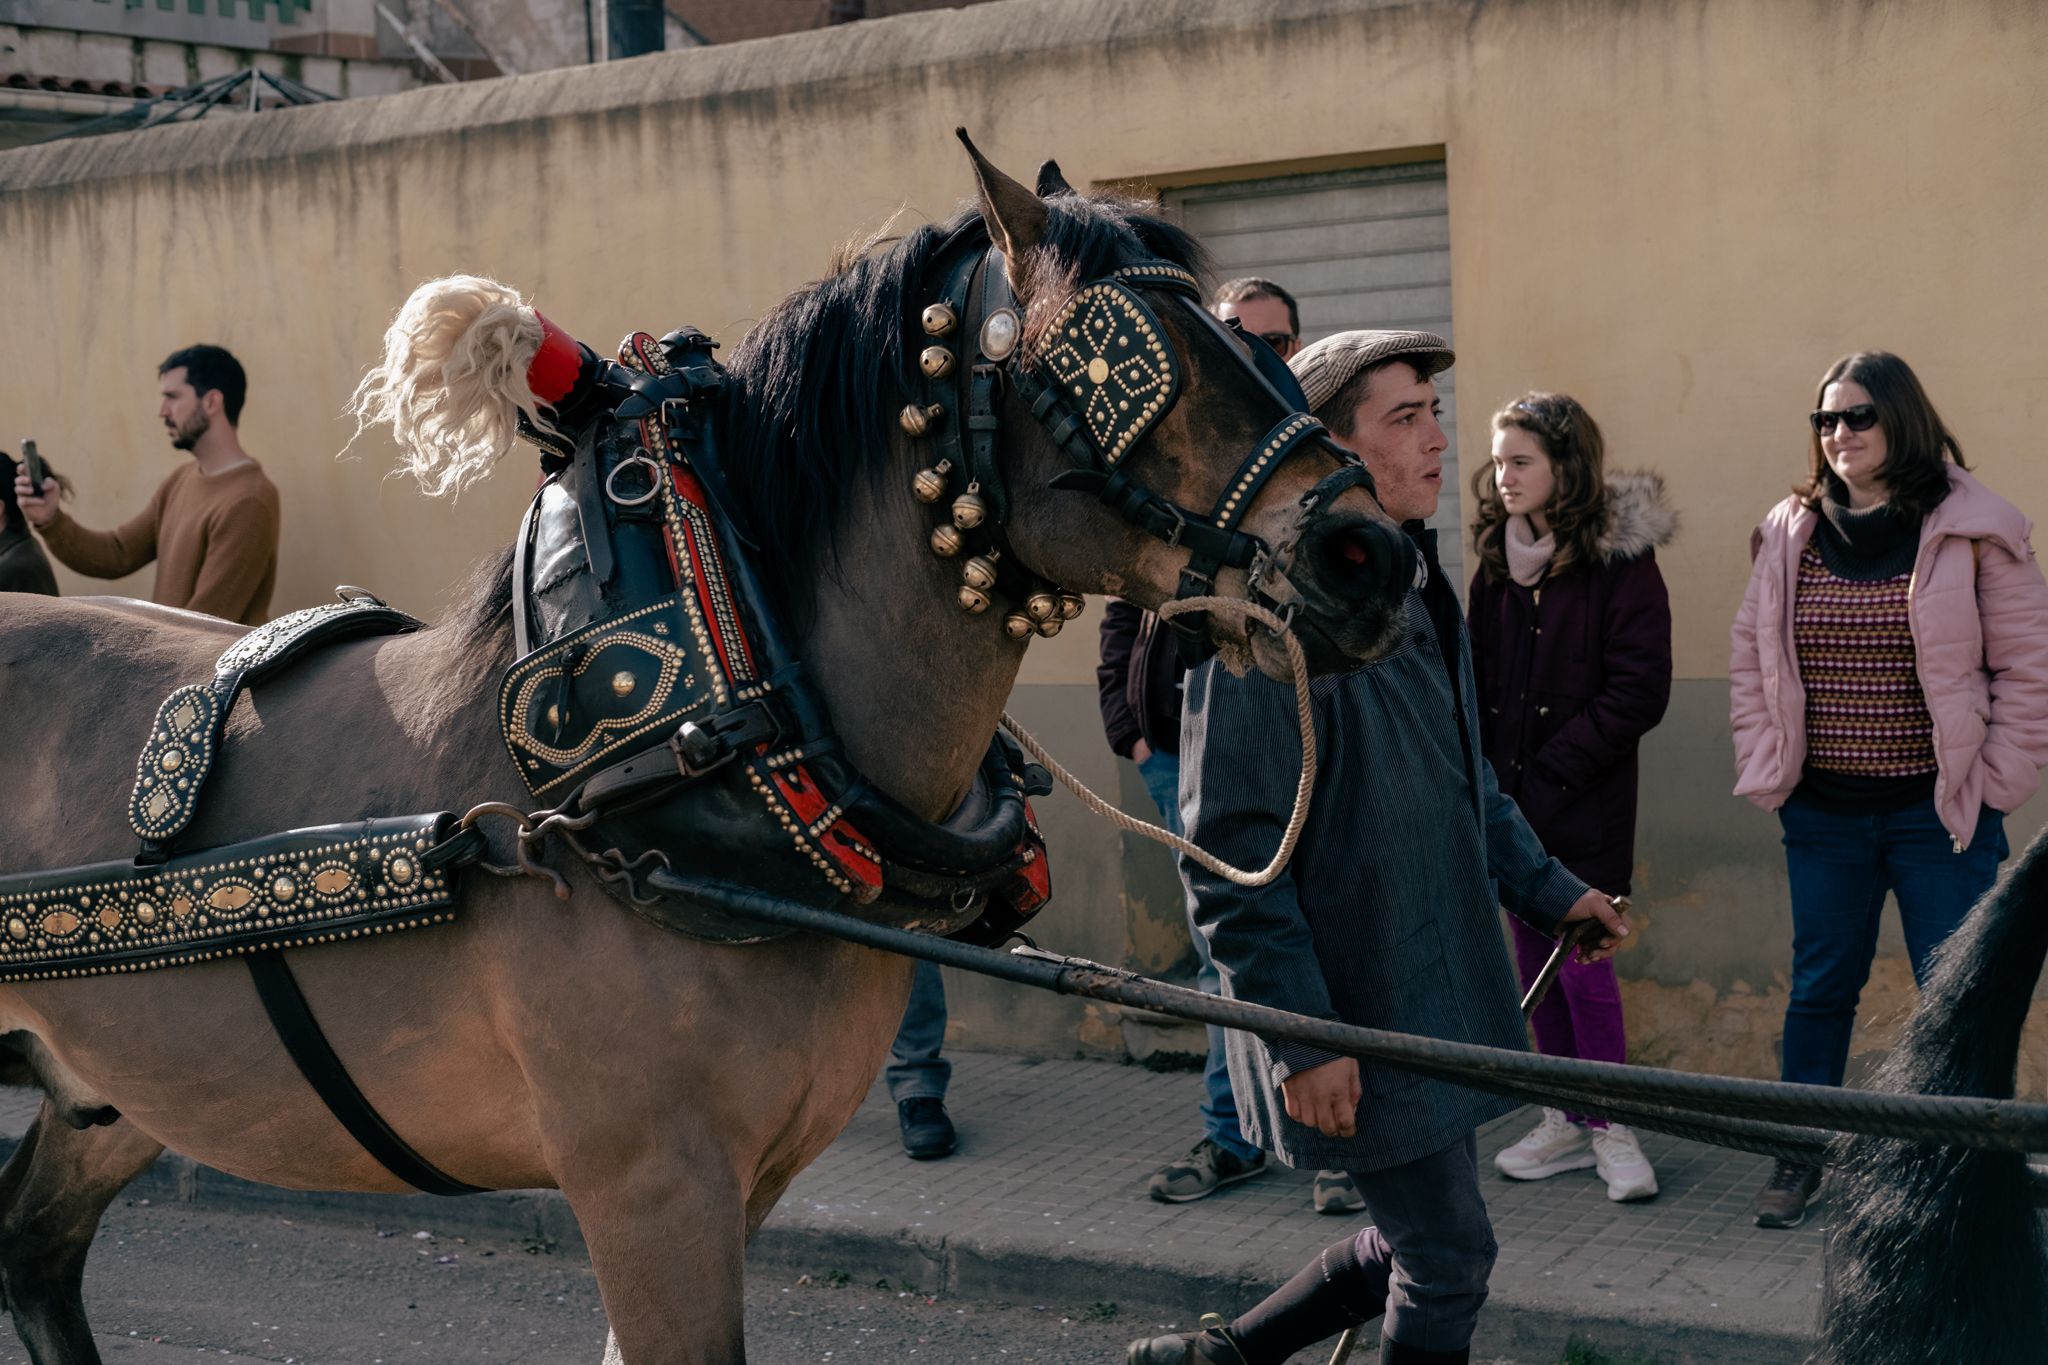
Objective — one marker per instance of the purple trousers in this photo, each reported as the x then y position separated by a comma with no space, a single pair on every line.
1581,1017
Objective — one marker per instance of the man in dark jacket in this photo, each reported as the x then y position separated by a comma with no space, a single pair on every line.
1386,917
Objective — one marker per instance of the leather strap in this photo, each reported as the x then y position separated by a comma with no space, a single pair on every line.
300,1033
185,737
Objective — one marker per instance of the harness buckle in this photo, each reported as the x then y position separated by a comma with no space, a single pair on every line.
1180,524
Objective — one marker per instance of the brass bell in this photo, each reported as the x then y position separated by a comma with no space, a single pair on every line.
1042,606
1072,604
935,361
1017,626
970,509
929,485
972,599
917,419
1051,627
947,541
940,320
979,572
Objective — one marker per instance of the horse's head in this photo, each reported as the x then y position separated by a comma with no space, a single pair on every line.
1089,426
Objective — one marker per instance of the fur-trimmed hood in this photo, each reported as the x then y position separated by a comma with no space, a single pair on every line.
1639,515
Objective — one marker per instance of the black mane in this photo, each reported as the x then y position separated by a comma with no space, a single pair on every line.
821,378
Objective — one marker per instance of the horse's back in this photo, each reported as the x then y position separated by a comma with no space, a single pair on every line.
80,681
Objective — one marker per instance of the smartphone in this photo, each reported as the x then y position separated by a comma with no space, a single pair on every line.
32,464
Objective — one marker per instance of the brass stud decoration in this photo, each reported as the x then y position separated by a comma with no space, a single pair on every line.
1110,358
623,684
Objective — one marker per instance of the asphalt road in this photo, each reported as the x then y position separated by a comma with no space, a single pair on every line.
171,1285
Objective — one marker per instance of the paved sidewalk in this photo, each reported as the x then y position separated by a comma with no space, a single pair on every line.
1045,1203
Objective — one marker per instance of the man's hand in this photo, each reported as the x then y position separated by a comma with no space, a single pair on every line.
40,511
1140,751
1595,906
1325,1097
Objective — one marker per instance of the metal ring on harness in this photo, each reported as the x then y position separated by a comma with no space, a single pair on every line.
638,457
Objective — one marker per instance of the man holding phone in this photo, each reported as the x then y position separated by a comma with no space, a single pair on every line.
23,566
212,525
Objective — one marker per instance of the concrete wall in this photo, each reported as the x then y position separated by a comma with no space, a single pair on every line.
1680,212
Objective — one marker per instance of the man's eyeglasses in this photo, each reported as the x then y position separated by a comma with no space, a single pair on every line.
1279,341
1862,417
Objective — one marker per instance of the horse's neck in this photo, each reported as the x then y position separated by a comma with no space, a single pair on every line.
915,685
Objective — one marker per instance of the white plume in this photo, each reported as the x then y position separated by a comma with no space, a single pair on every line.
453,380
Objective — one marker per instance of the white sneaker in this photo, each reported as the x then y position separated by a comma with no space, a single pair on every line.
1619,1160
1555,1146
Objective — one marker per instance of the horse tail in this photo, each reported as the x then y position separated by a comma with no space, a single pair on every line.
1936,1252
454,379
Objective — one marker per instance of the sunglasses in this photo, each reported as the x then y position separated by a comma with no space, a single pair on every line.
1862,417
1279,341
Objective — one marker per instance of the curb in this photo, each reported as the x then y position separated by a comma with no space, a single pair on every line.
980,1267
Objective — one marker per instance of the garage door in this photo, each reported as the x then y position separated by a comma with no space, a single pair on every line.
1364,248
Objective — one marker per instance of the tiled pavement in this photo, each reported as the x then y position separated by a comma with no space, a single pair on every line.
1046,1199
1045,1203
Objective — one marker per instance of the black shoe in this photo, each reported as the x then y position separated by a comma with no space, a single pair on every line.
927,1132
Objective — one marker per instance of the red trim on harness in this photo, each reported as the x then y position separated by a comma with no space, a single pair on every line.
846,845
556,364
687,486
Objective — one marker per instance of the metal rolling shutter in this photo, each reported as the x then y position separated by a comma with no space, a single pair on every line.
1363,248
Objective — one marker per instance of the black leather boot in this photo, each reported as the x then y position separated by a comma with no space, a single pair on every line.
1393,1352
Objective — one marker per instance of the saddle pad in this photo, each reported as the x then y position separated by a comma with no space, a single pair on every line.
304,886
182,742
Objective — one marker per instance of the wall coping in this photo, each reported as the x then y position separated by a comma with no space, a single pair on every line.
858,53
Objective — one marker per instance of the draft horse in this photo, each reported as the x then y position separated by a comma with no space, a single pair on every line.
669,1087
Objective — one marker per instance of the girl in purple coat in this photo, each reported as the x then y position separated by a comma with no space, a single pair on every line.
1571,647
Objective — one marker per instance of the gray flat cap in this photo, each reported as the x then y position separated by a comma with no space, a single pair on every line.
1329,364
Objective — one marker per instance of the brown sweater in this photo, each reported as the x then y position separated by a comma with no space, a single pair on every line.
214,541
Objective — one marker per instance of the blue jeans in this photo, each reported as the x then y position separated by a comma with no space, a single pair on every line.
916,1070
1840,868
1219,1105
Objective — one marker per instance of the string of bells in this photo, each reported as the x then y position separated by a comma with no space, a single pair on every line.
1046,608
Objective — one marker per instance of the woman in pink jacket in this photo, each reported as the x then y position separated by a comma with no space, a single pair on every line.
1889,693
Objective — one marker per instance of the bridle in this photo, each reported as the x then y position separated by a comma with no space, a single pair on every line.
1101,376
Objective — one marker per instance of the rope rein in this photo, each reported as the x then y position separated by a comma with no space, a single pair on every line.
1303,791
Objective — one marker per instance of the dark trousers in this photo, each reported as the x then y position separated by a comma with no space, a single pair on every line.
1430,1249
1840,868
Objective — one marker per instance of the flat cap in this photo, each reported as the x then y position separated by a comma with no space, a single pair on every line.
1329,364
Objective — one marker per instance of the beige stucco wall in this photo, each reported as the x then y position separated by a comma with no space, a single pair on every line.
1678,211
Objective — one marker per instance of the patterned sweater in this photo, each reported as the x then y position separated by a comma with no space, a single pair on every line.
1865,714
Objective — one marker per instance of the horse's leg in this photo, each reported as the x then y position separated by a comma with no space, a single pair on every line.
55,1187
667,1238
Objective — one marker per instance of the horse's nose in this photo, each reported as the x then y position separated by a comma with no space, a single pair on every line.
1355,559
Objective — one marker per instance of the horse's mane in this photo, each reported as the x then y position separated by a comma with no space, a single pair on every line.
822,377
819,381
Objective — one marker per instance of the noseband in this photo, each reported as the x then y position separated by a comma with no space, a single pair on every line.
1101,376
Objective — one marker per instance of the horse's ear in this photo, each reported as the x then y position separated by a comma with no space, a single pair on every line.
1051,182
1015,216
